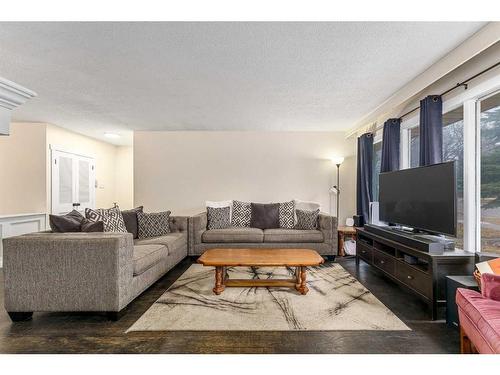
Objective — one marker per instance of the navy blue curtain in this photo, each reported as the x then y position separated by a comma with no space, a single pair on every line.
431,130
364,174
390,145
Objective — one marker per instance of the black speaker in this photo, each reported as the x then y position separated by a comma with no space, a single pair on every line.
358,221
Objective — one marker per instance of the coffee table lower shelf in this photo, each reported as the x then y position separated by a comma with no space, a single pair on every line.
222,281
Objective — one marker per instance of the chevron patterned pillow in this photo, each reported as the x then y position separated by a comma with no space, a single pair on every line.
153,224
112,218
287,215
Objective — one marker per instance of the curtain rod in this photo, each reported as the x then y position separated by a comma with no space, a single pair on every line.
464,84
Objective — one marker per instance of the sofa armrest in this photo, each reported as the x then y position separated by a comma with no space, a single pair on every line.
178,223
197,225
327,224
490,286
67,271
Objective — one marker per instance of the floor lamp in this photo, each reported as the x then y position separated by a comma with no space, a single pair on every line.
336,188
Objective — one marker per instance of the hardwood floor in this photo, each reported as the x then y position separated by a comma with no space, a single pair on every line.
93,333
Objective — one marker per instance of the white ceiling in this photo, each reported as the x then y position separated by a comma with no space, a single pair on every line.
97,77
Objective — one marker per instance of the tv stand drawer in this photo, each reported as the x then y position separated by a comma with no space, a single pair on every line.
364,252
383,261
415,279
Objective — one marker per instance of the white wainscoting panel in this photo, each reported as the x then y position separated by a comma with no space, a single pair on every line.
15,225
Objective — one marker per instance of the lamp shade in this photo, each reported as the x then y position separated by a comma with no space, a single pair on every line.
337,160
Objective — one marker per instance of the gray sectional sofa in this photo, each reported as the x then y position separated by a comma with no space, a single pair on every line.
86,271
104,272
323,240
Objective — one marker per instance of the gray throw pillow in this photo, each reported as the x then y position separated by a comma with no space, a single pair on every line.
130,220
307,220
287,215
70,222
92,226
265,216
218,217
153,224
242,213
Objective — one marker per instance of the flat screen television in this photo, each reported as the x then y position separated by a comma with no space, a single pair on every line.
423,198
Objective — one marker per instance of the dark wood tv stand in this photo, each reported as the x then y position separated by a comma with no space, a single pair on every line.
426,279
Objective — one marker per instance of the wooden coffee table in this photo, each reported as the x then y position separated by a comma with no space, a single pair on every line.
223,258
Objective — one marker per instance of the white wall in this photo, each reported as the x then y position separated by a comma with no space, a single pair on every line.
179,171
124,177
22,169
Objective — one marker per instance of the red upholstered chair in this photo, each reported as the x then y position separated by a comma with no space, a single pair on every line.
479,315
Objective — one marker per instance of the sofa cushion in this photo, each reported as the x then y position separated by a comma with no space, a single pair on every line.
307,219
146,256
153,224
172,241
111,217
92,226
480,318
130,219
70,222
287,215
265,216
293,235
233,235
218,217
241,214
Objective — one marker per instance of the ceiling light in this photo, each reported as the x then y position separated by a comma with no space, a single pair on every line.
111,135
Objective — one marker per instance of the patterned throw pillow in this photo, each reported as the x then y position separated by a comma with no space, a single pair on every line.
287,215
218,217
112,218
242,213
307,219
153,224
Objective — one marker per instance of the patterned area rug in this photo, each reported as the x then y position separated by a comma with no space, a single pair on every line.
336,301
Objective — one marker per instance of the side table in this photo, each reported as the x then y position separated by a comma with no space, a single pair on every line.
344,232
452,284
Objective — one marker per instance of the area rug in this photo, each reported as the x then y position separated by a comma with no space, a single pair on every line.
336,301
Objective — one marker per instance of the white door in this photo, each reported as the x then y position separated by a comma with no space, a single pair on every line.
73,181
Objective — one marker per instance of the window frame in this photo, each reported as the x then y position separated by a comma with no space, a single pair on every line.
470,100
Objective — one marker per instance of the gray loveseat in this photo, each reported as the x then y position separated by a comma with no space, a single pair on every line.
323,240
86,271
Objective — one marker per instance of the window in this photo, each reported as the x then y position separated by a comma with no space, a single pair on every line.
377,162
453,149
73,181
490,174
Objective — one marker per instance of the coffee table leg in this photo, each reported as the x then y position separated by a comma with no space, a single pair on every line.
301,281
219,280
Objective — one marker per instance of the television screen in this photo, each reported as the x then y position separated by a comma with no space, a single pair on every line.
422,198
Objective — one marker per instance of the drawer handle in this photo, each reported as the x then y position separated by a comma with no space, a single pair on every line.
363,251
410,277
382,262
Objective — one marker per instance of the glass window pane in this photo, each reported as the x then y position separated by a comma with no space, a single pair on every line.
83,181
65,180
490,174
414,147
377,160
453,149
